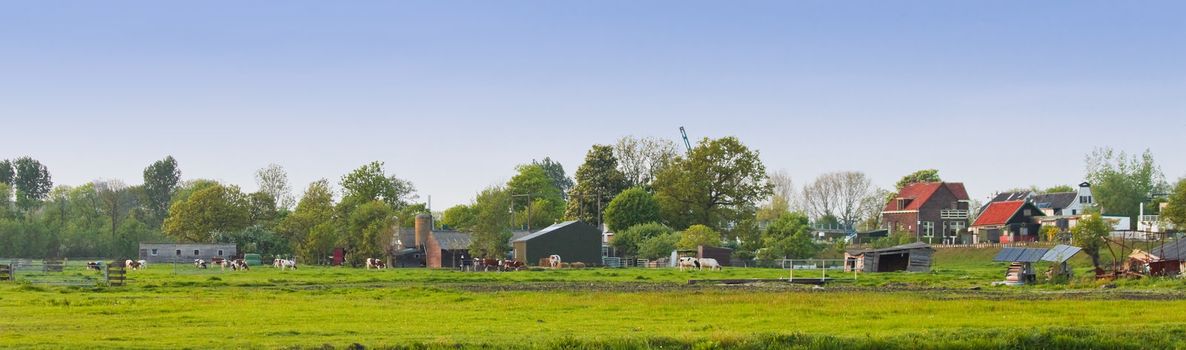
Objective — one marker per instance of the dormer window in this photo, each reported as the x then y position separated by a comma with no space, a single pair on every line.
903,203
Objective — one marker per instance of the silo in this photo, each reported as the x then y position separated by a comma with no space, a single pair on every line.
423,228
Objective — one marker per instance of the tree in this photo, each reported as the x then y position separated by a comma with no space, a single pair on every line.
459,217
1058,189
1090,234
110,194
640,159
1120,183
261,210
921,176
598,180
6,172
209,210
698,235
310,227
782,198
631,207
535,198
659,246
489,230
789,237
369,182
627,241
846,196
161,180
273,181
720,181
556,172
32,182
368,231
1175,209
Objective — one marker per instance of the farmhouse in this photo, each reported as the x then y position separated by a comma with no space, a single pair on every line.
931,211
913,257
1008,222
573,241
185,252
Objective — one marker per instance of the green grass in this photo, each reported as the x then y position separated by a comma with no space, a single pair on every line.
590,308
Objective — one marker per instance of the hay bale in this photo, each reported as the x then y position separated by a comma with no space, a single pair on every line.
565,265
578,265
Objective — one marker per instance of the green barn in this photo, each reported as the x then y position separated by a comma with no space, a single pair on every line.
573,241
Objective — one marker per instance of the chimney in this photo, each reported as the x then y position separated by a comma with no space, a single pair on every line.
423,228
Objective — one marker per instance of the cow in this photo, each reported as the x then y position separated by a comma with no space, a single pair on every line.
222,263
285,263
554,261
709,263
487,264
377,264
94,265
689,263
143,263
513,265
134,265
239,264
201,264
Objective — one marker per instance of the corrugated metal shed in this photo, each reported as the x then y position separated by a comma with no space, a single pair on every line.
1175,250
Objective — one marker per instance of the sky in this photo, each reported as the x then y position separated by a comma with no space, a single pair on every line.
451,95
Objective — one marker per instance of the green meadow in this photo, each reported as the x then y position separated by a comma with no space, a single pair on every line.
166,307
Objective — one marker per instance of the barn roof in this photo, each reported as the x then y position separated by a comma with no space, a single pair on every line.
544,231
998,213
1175,250
1055,200
908,246
920,193
453,240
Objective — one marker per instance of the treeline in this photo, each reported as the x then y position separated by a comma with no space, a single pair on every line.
653,194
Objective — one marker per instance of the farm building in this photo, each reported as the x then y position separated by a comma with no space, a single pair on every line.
1008,222
1168,259
913,257
185,252
931,211
446,249
573,241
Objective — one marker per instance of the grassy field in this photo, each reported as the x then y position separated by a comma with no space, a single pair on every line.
954,307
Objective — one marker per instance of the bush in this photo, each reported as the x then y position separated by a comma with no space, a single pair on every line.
627,242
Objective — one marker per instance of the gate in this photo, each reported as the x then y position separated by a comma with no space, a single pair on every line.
116,274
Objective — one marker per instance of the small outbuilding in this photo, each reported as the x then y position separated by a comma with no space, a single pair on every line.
185,252
573,241
913,257
1168,259
447,249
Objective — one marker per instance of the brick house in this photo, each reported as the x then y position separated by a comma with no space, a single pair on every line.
935,212
1008,222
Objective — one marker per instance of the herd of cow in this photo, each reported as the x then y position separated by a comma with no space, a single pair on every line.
553,261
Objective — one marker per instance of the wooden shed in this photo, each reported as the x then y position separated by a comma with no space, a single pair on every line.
913,257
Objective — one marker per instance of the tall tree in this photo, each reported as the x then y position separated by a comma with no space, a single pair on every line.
459,217
631,207
261,210
310,227
598,180
641,159
370,182
921,176
369,229
273,180
536,200
490,224
782,200
161,180
628,241
556,172
846,196
1120,183
32,182
1090,234
110,193
6,171
209,210
1175,208
721,181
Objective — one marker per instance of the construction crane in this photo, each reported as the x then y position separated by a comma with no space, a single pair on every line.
687,144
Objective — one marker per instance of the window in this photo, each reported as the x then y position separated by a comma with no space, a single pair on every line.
154,252
1085,199
220,252
179,252
1025,230
928,229
1074,212
955,227
195,252
1028,212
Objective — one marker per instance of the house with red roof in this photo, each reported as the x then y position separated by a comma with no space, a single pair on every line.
1009,222
935,212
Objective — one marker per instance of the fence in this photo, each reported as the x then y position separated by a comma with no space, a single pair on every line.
116,274
804,265
47,272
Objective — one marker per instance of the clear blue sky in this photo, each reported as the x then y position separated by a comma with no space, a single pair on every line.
453,94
